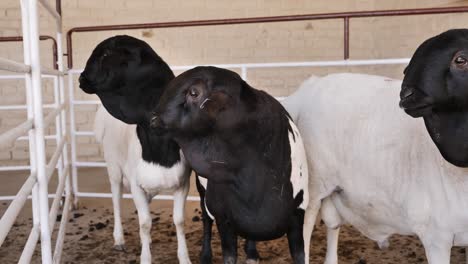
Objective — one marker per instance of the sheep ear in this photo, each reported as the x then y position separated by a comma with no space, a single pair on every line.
214,103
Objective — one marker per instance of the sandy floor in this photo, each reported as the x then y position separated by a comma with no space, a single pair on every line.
89,238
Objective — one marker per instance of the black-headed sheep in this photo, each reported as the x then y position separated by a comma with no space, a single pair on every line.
376,168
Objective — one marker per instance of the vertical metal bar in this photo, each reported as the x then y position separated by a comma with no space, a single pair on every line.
61,233
30,109
58,124
58,129
64,159
244,73
62,94
346,37
58,6
74,170
39,132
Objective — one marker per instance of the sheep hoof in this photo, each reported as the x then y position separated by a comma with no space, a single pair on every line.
252,261
384,244
120,248
75,205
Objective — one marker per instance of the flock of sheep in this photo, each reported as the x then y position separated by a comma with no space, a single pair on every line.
345,147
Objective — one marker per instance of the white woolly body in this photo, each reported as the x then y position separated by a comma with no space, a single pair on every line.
377,165
299,172
155,178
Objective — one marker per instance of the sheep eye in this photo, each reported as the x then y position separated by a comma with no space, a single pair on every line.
460,60
105,54
193,93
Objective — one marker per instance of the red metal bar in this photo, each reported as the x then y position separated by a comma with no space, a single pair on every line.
58,6
42,37
250,20
346,37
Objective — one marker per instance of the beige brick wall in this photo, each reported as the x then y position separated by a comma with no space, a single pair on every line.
371,38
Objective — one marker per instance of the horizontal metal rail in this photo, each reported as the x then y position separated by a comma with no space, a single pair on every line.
86,102
345,16
84,133
333,63
90,164
63,222
34,235
13,66
9,217
15,168
12,197
22,107
54,159
30,246
327,63
42,37
56,201
49,118
52,72
129,196
21,76
7,139
48,137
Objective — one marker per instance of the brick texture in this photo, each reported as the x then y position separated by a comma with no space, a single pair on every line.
371,38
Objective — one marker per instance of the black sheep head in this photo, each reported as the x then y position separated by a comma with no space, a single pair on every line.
435,87
201,100
127,75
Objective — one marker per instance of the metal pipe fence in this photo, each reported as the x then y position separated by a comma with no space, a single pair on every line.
41,170
345,16
244,68
36,185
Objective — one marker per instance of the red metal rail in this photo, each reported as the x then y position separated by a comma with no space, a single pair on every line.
58,6
43,37
346,16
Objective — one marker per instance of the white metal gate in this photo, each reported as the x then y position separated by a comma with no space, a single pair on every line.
40,170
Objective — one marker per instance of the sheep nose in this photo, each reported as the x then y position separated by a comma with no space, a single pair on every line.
82,78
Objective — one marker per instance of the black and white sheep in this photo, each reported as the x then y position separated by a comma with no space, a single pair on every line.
376,168
244,142
128,76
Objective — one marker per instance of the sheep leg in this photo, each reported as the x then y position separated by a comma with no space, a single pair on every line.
296,237
333,221
228,241
250,249
180,197
438,248
332,245
309,223
205,254
144,218
116,189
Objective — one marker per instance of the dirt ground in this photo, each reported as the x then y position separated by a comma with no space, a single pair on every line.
89,238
